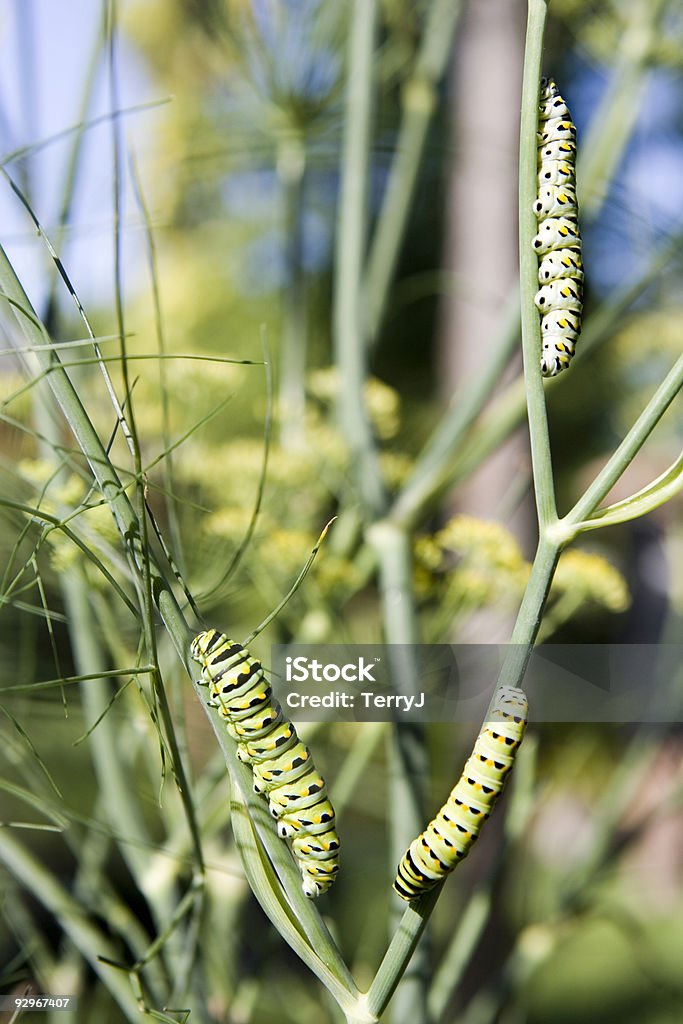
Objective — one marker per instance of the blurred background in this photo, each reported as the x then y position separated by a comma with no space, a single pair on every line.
235,148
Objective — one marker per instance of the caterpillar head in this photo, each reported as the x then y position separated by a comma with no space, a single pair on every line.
201,644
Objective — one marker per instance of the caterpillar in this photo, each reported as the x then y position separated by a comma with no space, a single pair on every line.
449,837
281,764
558,242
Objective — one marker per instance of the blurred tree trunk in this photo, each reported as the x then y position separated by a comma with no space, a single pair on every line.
481,233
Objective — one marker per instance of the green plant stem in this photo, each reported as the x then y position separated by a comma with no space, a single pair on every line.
530,613
91,888
291,164
112,771
399,953
646,500
167,467
414,919
469,929
419,101
394,552
544,488
623,456
408,765
349,346
407,751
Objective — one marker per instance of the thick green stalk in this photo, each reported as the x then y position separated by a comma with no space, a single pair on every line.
530,613
531,609
291,165
349,346
399,954
407,753
419,101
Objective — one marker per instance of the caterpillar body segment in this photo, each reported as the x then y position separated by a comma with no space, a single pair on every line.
562,294
560,263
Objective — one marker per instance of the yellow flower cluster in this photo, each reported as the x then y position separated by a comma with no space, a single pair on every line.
591,577
470,563
383,403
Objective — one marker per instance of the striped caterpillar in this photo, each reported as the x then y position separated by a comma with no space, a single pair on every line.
282,765
558,242
449,837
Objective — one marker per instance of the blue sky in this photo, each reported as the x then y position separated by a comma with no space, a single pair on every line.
43,68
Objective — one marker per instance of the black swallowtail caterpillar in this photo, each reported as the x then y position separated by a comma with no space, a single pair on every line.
449,837
558,242
282,765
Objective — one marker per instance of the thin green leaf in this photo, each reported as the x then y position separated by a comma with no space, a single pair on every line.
650,497
38,803
293,589
265,884
29,743
35,147
66,680
32,609
115,696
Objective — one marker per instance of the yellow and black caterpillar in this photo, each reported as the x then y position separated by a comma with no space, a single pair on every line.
282,765
449,837
558,242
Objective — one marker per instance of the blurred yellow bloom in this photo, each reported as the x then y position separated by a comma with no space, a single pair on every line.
469,564
483,541
383,403
592,578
